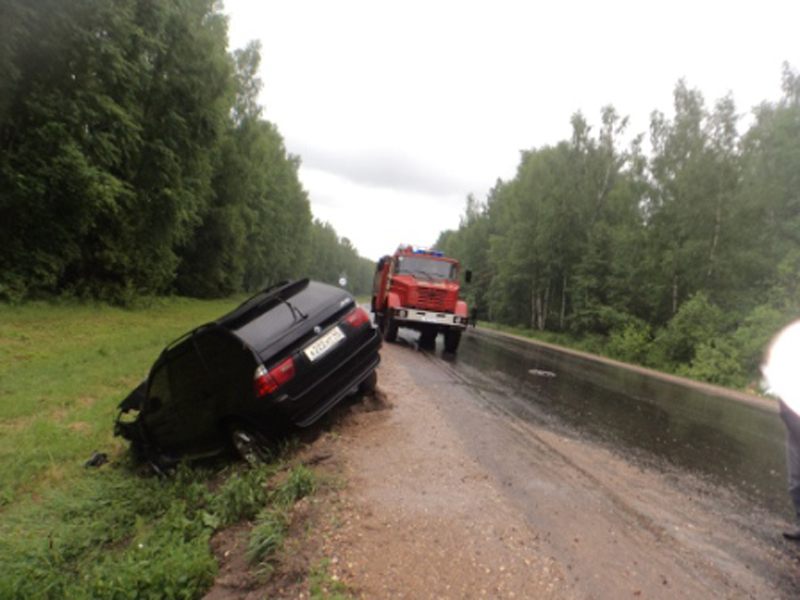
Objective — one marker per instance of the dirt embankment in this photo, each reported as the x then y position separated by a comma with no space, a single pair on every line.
406,513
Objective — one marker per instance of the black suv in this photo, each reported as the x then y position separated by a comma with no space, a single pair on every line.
286,355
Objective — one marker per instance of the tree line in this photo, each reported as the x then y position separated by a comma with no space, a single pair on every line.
134,159
684,257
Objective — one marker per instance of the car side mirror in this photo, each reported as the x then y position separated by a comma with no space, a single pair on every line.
468,276
154,404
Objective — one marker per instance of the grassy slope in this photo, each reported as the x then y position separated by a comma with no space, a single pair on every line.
64,369
69,531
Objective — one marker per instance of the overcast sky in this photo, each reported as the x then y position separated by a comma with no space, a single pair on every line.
399,110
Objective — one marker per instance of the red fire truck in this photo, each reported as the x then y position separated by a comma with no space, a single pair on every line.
418,289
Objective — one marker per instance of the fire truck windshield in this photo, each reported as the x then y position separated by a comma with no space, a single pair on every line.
426,268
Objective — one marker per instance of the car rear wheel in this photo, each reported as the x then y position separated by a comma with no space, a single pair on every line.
368,386
249,445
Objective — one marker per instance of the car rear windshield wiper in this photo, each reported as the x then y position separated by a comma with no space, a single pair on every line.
296,312
258,301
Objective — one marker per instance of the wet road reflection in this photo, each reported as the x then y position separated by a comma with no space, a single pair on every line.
730,442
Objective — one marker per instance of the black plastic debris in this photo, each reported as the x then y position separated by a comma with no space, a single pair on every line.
97,459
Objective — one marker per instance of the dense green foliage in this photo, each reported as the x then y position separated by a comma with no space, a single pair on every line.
134,159
684,258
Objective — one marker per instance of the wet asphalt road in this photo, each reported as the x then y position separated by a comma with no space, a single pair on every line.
721,454
722,437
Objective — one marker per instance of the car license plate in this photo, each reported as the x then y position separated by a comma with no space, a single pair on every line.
323,344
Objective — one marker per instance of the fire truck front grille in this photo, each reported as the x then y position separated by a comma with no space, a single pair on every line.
433,299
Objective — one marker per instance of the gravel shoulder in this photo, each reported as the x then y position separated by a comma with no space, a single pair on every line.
425,519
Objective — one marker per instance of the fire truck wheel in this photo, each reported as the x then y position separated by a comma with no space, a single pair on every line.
389,328
427,338
451,339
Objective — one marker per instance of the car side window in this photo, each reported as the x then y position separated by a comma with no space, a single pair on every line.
224,355
187,374
159,386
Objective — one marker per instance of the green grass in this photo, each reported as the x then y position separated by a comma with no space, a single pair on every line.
267,536
64,369
116,535
270,530
325,586
549,337
109,535
73,532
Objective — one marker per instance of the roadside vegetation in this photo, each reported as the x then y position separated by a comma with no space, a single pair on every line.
680,255
136,161
71,531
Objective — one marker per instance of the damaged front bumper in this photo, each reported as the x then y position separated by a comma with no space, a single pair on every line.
130,430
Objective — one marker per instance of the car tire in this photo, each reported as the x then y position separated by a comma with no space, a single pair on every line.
368,386
451,339
249,445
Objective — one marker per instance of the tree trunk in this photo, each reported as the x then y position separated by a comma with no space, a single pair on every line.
538,309
545,303
715,240
674,294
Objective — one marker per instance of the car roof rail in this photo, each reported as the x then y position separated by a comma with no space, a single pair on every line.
187,335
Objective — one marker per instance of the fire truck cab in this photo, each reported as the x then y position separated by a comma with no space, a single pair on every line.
418,289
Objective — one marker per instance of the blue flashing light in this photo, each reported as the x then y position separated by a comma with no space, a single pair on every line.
419,251
438,253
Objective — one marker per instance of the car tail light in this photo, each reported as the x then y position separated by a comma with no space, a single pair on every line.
265,382
358,317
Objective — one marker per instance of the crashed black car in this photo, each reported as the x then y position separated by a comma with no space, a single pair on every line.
285,356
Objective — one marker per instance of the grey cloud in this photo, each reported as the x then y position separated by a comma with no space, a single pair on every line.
382,169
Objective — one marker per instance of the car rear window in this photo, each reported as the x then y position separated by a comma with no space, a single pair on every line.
262,331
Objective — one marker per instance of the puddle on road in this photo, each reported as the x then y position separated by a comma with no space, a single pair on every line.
540,373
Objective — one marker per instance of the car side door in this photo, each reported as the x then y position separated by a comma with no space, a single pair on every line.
194,410
157,413
230,366
176,408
